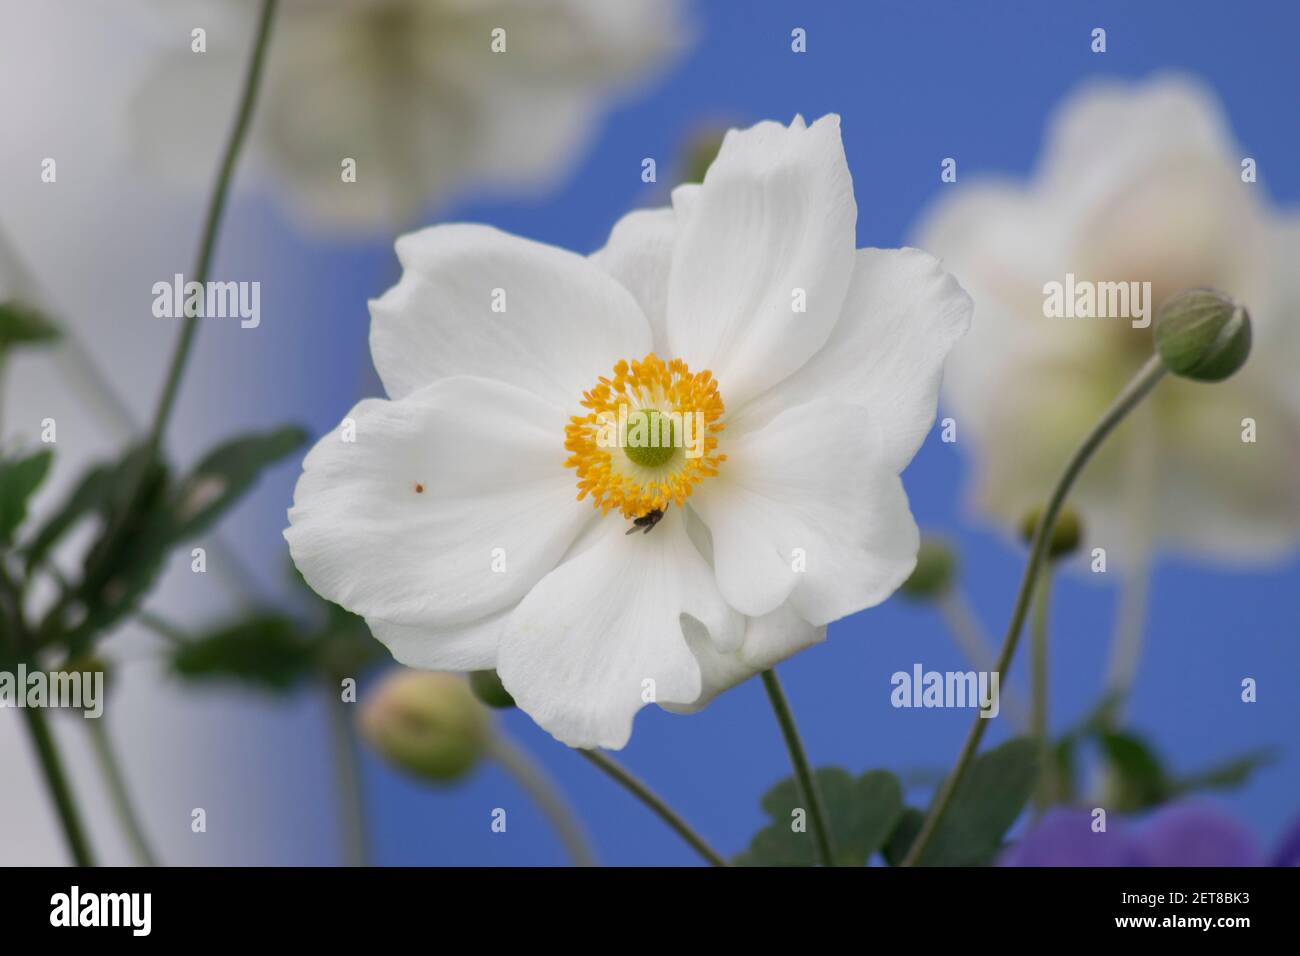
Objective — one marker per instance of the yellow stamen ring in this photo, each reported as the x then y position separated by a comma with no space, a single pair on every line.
650,436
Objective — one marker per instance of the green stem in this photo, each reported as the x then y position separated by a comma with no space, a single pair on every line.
1126,642
163,628
1038,688
57,782
347,772
655,803
1133,393
84,378
970,638
802,771
118,792
212,220
18,648
545,794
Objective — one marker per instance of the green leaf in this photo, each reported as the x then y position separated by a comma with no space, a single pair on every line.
265,650
1064,777
128,555
1225,776
22,325
863,811
345,646
143,516
19,478
94,494
225,474
909,825
1138,778
989,800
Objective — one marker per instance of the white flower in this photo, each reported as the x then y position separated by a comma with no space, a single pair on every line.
460,521
1139,183
424,95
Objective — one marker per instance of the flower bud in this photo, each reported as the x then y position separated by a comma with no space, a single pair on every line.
1066,533
1203,335
935,567
426,723
488,688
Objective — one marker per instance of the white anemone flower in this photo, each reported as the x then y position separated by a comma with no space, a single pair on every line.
426,97
1139,182
460,521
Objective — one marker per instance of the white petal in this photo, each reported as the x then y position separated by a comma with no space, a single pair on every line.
901,316
578,650
467,647
1109,129
775,214
1002,245
768,640
489,458
683,198
639,254
808,490
1147,180
564,324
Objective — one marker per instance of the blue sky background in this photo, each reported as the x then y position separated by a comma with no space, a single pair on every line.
914,82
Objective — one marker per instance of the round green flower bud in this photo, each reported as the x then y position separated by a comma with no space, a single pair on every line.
936,566
1203,335
1066,533
425,723
488,688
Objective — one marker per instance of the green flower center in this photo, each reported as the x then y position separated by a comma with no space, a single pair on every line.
650,439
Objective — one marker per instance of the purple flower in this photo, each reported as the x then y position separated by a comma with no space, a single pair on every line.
1197,835
1065,838
1189,834
1288,848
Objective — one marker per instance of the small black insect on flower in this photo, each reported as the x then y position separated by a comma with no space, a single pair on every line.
646,522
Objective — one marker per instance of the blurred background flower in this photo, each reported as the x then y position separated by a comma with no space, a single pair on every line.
426,97
1138,182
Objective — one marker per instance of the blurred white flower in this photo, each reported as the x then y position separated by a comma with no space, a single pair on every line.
1139,183
100,382
451,521
426,96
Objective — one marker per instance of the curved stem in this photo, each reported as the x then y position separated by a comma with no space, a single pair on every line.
86,379
212,220
1038,689
118,792
1133,393
974,645
546,795
802,771
347,774
57,782
163,628
1126,646
655,803
1126,642
18,642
